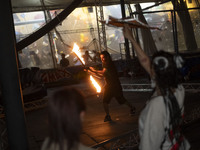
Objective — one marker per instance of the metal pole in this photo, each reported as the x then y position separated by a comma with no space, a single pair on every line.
174,27
9,81
49,33
100,25
128,57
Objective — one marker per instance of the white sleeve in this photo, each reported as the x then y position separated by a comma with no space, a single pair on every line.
154,126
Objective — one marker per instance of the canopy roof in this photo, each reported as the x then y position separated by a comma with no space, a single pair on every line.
38,5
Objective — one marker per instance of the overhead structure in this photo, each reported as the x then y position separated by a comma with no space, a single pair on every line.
36,5
49,26
68,6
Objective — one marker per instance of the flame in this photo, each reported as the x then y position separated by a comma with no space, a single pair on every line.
96,85
78,53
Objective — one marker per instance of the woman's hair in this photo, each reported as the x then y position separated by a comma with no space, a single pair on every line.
64,108
167,77
167,74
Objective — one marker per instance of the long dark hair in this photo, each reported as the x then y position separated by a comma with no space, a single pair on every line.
167,73
167,78
64,110
107,56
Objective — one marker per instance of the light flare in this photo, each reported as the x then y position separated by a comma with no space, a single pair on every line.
96,85
78,53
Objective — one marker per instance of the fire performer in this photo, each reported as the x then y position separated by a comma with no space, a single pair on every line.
112,87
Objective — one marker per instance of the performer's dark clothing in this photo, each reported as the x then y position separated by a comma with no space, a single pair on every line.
112,86
64,62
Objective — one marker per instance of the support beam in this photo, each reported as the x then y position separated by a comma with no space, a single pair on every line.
100,25
128,57
174,29
9,82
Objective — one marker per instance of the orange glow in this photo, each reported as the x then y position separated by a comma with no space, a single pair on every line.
96,85
78,53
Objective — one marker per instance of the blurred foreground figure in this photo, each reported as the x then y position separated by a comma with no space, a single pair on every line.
66,109
160,121
112,86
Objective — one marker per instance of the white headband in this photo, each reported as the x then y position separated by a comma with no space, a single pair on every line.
157,59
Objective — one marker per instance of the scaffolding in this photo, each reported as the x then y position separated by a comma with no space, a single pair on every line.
100,25
146,87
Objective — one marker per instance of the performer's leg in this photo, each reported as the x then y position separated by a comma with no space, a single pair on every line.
106,100
121,100
132,108
106,108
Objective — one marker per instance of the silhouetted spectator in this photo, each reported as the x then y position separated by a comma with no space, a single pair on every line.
64,62
87,57
96,57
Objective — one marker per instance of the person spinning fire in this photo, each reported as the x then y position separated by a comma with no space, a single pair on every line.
112,86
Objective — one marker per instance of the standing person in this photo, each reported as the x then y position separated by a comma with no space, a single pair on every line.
112,86
96,57
66,109
87,58
64,62
160,120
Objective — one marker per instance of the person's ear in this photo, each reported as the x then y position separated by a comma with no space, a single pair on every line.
82,115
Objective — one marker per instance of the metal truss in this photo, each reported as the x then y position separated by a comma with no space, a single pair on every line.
189,87
194,115
100,25
28,106
3,135
3,130
136,87
36,104
192,87
126,141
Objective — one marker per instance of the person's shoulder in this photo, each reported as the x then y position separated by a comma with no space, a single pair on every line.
180,88
45,143
156,101
83,147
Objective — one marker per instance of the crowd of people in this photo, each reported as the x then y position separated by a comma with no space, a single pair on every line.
94,58
160,120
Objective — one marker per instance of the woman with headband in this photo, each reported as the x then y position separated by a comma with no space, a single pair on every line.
160,120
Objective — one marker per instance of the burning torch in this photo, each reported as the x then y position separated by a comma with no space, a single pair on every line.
78,54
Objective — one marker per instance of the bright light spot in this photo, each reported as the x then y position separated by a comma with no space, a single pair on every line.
78,53
96,85
144,5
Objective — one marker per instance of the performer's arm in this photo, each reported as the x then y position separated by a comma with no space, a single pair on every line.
143,58
98,72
